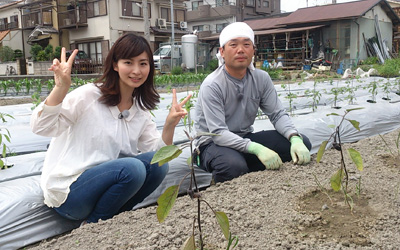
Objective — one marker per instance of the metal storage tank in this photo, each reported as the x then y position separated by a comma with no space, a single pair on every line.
189,51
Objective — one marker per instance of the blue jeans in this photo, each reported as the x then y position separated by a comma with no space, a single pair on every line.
112,187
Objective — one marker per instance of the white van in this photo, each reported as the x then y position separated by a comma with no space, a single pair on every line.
162,57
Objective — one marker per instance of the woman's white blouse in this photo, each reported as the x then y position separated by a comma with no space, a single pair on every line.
86,133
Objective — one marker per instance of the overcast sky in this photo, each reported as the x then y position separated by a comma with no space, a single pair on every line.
292,5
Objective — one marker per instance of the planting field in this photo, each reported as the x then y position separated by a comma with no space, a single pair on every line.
294,207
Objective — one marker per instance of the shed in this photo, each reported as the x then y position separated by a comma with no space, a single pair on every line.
336,30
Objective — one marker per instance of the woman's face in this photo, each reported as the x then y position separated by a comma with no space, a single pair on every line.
133,72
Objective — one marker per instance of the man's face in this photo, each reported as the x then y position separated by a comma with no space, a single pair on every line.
238,53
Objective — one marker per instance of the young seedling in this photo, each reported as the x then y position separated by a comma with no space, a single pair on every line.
167,200
350,90
395,155
386,87
290,96
340,179
397,85
373,89
4,136
336,91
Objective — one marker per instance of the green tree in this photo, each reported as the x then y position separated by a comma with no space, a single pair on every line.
49,52
57,52
6,54
35,49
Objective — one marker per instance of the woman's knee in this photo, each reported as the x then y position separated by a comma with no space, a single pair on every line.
132,170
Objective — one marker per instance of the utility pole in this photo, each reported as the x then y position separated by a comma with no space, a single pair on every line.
146,20
172,34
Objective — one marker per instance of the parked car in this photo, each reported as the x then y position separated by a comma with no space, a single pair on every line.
82,63
162,57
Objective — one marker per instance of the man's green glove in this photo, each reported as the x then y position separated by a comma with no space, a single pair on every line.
268,157
299,152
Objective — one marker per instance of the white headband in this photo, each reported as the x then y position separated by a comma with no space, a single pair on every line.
232,31
235,30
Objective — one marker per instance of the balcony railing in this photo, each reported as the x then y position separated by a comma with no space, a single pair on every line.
72,18
203,12
29,21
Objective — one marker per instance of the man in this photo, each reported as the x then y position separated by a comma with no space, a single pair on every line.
227,105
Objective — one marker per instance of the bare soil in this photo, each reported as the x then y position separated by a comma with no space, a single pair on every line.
292,208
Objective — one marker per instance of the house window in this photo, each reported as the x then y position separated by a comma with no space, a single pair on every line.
13,22
3,23
196,4
96,8
134,8
250,3
92,49
179,15
198,28
265,4
220,27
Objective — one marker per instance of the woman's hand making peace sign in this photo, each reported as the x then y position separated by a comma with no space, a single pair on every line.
62,78
176,112
62,70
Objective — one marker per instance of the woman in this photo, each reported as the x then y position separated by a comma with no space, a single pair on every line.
93,169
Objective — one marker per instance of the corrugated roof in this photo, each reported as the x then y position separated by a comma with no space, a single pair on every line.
283,30
337,11
266,23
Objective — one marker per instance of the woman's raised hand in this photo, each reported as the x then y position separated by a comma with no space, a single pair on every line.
62,69
177,110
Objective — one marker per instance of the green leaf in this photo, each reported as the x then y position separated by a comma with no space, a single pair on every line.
321,151
336,180
1,164
357,159
189,161
4,154
333,114
331,126
189,244
166,154
348,110
166,201
355,124
223,223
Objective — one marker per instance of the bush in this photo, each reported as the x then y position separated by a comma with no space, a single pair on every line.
18,54
42,56
49,52
6,54
35,49
57,52
391,68
212,65
176,71
273,73
370,60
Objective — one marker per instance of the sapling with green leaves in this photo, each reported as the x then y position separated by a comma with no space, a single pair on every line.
397,85
387,88
395,154
290,96
340,179
167,200
350,90
17,86
373,89
315,94
4,137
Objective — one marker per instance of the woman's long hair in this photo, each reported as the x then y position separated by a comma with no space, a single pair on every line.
126,47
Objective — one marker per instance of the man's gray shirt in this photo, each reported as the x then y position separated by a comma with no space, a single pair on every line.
228,106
